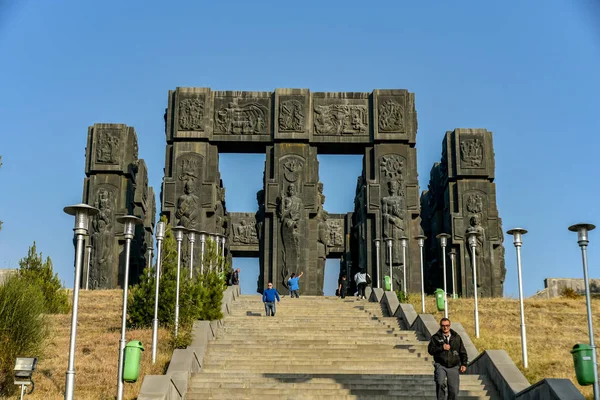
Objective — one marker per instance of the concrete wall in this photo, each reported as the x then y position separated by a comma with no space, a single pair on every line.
555,286
5,273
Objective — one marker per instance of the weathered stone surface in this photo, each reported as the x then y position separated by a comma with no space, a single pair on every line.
461,198
117,184
554,287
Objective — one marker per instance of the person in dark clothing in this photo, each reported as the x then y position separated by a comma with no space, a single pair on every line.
235,277
343,288
269,296
450,357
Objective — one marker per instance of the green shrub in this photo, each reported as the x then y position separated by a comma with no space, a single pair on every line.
402,297
199,298
40,273
23,328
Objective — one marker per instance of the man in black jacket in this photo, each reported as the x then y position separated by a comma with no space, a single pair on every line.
450,357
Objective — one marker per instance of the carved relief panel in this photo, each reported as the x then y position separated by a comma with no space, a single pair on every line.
470,153
102,265
341,114
242,113
111,148
394,115
292,113
188,184
108,146
243,229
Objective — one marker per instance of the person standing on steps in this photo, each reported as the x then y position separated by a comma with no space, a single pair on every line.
450,357
361,283
343,288
293,284
235,277
269,296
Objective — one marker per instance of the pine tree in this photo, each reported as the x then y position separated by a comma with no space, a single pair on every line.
41,273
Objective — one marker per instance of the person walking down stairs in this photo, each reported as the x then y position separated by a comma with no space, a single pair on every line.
269,296
450,357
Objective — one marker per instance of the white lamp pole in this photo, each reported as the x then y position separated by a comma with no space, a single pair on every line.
443,237
518,242
389,244
473,243
82,212
377,261
452,253
202,242
149,263
582,239
223,254
404,242
87,270
160,235
421,243
192,239
178,231
129,222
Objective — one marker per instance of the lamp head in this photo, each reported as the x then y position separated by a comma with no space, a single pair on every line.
403,240
443,238
178,232
203,235
421,240
160,230
452,252
24,367
472,234
517,235
582,232
192,235
377,242
129,222
389,242
82,213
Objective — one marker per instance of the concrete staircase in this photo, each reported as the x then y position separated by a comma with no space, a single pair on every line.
319,348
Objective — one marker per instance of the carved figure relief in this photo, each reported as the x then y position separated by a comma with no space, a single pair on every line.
102,239
480,250
108,146
471,153
191,115
393,215
220,217
391,116
336,233
189,169
259,217
338,119
188,206
245,119
290,214
291,116
474,203
322,245
321,197
244,232
292,169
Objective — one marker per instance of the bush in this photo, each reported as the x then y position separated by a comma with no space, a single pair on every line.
402,297
569,293
22,326
40,273
199,298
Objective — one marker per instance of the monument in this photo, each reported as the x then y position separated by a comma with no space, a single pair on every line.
290,229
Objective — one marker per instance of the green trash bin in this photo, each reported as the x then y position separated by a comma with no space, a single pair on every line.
439,299
387,282
133,358
584,366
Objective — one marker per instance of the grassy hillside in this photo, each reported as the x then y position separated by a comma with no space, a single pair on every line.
553,327
96,359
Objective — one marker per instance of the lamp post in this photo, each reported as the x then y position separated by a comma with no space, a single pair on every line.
452,253
149,264
82,213
377,261
443,237
178,231
582,239
518,242
421,243
87,269
223,254
129,222
472,234
160,235
389,245
404,241
202,242
192,238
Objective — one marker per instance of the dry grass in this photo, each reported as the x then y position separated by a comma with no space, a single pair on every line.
96,359
553,327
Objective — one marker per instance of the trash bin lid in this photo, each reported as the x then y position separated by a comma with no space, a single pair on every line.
581,347
136,344
439,290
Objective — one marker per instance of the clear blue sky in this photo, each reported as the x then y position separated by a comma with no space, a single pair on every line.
526,70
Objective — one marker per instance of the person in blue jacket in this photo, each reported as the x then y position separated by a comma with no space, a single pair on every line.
293,284
269,296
